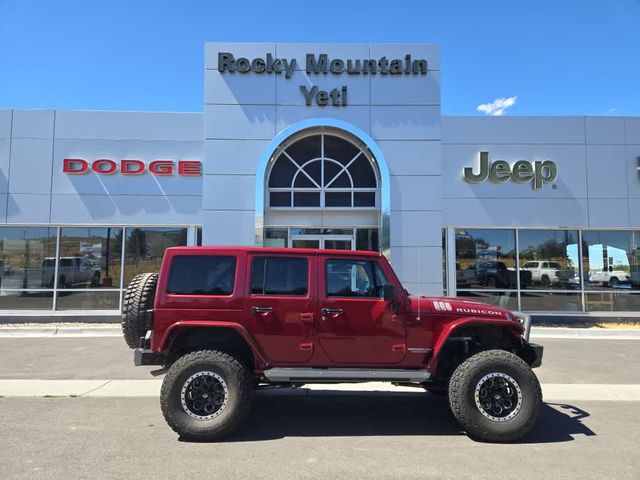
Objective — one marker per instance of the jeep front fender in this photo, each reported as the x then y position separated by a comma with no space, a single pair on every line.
447,329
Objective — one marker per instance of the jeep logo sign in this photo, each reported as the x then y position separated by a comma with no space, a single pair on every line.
538,173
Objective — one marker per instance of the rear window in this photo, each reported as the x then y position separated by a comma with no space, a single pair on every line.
202,275
279,276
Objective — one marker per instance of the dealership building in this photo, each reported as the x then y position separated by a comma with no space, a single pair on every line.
325,146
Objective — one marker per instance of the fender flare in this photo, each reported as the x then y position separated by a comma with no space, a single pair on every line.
176,328
515,328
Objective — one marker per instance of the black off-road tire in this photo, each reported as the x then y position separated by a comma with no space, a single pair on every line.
239,395
462,396
137,299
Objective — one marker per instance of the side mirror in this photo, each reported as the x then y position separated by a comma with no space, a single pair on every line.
389,293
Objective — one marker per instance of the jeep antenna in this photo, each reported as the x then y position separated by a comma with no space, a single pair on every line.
419,286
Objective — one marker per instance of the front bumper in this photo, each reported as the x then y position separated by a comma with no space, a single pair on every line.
531,353
145,356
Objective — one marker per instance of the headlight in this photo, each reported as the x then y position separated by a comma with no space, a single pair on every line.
524,320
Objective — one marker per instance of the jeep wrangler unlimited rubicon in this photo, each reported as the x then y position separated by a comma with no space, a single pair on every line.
225,321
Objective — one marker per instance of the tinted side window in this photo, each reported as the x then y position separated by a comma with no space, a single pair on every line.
351,278
202,275
381,278
279,276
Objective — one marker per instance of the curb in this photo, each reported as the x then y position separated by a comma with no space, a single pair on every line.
60,332
151,388
585,333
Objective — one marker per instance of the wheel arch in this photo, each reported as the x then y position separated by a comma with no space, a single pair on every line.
488,331
228,337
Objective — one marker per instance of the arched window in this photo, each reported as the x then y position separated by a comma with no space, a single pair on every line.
322,170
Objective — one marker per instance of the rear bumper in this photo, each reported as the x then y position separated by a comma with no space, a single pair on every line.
531,353
144,356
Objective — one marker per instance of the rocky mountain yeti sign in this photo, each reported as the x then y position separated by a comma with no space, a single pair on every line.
322,64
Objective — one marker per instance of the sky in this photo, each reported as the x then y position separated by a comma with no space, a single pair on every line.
510,57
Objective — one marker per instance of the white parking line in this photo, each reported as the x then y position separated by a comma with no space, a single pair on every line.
552,392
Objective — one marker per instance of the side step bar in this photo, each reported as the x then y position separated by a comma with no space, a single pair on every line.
346,375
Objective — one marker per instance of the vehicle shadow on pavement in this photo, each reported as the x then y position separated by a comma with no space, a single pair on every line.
559,422
302,413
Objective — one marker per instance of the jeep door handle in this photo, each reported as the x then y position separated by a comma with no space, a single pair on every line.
331,311
261,309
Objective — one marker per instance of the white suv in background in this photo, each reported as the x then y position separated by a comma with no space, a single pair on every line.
609,276
545,273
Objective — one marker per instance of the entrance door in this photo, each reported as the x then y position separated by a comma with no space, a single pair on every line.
333,242
305,241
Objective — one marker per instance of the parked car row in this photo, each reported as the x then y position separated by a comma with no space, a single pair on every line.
542,273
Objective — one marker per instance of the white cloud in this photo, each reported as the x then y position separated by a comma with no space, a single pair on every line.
498,106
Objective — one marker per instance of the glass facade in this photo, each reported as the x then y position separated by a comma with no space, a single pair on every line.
485,259
27,256
554,270
89,257
535,270
333,238
78,268
145,246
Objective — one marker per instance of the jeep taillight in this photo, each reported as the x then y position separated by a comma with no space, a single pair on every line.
148,319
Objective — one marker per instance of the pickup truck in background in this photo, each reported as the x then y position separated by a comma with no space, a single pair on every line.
497,275
72,271
609,277
549,274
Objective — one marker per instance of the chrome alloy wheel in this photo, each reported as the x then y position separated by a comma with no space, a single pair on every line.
204,395
498,397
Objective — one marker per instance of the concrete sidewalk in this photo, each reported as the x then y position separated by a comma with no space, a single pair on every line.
102,330
553,392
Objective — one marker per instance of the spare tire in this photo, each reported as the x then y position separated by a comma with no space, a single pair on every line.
137,300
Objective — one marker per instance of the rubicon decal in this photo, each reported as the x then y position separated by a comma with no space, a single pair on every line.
106,166
478,311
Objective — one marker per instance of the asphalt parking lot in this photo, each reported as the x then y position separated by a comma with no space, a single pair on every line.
313,433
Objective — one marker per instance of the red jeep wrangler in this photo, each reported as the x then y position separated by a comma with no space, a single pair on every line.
225,321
